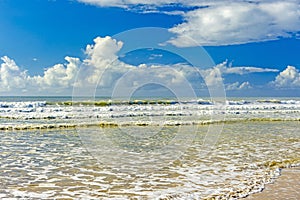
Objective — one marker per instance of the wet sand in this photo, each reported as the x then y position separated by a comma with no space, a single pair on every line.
287,186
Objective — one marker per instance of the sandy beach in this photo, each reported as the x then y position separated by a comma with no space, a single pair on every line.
285,187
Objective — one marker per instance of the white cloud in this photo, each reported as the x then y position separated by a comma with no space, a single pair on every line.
101,57
102,65
241,70
129,3
246,70
222,22
58,76
103,51
11,76
226,68
239,86
238,23
102,68
288,78
157,3
214,76
13,80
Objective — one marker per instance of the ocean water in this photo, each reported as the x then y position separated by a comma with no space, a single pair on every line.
145,149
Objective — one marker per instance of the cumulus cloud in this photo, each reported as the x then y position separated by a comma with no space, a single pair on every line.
11,76
103,68
215,76
60,75
288,78
212,76
101,58
239,86
13,79
103,51
108,71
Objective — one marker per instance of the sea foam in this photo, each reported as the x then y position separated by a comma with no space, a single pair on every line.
41,114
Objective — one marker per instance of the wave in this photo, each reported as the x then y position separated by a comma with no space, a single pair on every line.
111,124
109,102
174,102
23,104
131,102
67,114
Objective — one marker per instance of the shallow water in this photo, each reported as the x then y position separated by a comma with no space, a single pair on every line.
62,163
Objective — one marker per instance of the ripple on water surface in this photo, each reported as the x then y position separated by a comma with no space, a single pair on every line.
56,164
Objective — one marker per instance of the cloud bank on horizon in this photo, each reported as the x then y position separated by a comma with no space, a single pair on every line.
215,23
60,78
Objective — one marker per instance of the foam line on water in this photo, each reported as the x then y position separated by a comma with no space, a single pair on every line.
108,124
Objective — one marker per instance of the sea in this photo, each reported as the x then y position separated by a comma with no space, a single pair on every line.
159,148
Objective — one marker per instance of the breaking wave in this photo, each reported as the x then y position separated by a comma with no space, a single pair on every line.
24,115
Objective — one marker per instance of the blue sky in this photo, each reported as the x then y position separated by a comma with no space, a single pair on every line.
43,44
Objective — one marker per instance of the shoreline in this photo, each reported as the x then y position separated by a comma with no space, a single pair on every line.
286,186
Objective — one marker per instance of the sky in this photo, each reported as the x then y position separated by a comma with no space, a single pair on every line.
188,47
